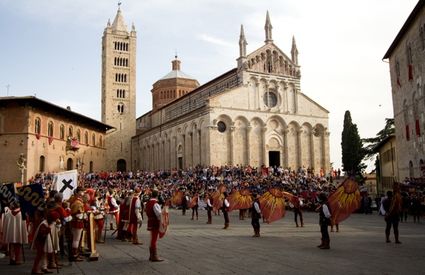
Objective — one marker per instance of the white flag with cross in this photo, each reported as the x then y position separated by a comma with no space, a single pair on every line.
65,183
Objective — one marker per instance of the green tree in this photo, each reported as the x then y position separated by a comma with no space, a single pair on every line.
352,148
370,144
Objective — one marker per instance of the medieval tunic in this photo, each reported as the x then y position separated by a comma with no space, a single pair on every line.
14,228
153,211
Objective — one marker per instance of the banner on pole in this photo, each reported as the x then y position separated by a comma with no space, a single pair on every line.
65,183
30,198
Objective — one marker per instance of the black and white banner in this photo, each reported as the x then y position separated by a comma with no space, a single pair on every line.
65,183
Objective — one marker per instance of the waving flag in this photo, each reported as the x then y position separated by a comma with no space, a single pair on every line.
65,183
240,199
272,204
344,201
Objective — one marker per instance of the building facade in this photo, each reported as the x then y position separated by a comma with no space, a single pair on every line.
119,91
406,57
254,114
50,139
388,167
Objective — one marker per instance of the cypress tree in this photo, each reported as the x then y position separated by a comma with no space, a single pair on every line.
352,147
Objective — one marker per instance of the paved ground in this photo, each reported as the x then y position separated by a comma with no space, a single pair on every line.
193,247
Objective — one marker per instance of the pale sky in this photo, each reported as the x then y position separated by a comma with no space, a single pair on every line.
53,49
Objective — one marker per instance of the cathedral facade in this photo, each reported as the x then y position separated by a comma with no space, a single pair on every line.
254,114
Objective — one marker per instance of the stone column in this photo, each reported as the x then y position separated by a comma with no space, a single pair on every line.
284,105
285,148
312,148
164,155
170,156
264,152
174,150
257,89
200,146
191,149
248,152
299,150
231,138
184,151
325,148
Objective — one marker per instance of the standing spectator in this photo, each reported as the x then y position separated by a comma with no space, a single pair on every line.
392,207
415,207
405,204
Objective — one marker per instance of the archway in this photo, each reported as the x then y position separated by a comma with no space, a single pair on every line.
121,165
69,164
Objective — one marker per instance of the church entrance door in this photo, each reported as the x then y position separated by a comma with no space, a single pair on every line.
274,158
121,165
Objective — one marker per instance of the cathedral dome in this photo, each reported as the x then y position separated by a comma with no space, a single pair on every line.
172,86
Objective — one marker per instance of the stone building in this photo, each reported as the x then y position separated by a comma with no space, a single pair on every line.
406,57
49,137
388,168
253,114
119,91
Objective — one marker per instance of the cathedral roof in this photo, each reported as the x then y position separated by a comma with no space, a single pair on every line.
176,74
119,23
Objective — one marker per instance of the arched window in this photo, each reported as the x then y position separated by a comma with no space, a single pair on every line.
70,132
123,93
120,108
62,131
41,164
78,135
50,129
86,138
100,141
93,139
37,126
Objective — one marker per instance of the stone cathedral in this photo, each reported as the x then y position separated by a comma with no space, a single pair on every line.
254,114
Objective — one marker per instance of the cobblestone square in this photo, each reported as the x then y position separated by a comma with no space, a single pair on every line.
194,247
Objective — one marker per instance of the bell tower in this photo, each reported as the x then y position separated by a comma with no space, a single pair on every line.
119,91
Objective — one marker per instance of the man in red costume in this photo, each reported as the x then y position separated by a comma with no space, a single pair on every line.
153,211
77,223
135,216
